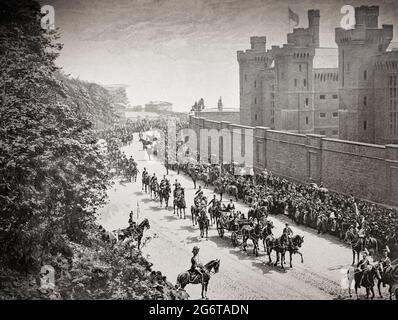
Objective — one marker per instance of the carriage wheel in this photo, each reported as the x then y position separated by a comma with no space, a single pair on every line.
220,230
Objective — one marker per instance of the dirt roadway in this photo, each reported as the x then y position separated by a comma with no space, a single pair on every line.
242,275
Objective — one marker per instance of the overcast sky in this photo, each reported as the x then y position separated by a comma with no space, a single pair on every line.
181,50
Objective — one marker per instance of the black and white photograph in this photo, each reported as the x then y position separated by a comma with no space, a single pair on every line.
203,150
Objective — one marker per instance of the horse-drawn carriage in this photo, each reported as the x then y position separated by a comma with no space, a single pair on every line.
224,221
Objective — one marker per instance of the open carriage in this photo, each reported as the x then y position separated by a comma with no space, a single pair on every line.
232,224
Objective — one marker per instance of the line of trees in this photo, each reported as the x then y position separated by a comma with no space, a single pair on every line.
52,175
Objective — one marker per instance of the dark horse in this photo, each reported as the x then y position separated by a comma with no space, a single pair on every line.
252,233
294,246
358,245
179,202
145,182
134,232
364,278
280,247
164,194
194,214
154,187
203,222
185,278
390,277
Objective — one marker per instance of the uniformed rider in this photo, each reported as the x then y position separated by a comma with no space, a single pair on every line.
196,267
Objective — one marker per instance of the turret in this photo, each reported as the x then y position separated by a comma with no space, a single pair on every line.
258,43
313,25
367,16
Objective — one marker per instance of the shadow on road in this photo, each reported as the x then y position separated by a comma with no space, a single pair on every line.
266,268
154,208
190,228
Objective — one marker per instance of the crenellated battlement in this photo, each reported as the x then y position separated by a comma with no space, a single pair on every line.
363,35
303,37
367,16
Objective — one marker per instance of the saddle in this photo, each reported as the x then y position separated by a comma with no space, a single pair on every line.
194,275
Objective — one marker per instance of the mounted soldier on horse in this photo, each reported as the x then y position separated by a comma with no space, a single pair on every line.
164,191
198,273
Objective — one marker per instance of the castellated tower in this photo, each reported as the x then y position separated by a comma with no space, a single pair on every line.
356,97
313,26
294,77
250,63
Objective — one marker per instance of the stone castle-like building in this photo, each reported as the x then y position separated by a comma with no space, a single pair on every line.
347,93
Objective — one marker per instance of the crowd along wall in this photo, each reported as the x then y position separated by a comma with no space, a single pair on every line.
365,170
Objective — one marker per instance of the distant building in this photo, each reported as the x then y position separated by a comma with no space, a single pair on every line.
349,93
290,88
159,106
368,82
220,114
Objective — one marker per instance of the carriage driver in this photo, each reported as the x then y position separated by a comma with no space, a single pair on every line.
231,205
287,233
195,264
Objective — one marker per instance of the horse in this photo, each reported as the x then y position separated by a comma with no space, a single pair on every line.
194,214
293,247
134,173
360,244
179,202
365,278
279,248
203,222
213,213
136,233
252,233
144,182
233,191
389,277
164,194
205,178
267,231
219,187
154,187
184,278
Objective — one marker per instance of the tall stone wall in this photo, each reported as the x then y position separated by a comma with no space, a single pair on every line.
366,170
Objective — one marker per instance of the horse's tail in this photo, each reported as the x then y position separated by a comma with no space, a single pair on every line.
178,284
